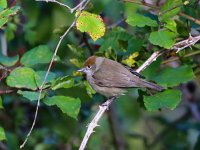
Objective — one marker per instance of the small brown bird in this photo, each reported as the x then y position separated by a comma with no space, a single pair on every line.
111,78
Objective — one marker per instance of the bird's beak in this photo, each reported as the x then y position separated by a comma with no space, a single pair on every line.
81,70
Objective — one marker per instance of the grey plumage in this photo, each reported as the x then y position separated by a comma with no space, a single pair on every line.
120,77
110,78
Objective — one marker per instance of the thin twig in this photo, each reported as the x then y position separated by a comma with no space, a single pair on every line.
143,4
168,10
47,73
6,91
190,18
94,122
61,4
151,59
186,43
177,58
177,47
55,1
116,24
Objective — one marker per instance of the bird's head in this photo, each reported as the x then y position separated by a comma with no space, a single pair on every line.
89,65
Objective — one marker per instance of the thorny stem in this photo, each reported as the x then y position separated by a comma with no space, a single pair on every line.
94,122
82,6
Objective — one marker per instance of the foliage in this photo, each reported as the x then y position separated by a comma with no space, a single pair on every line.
127,32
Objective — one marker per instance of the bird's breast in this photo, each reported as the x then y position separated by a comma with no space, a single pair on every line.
106,91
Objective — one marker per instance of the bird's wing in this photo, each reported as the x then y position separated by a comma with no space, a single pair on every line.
113,74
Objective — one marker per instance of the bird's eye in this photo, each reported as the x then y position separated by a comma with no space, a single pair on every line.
89,66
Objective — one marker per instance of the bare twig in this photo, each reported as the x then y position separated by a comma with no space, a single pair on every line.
61,4
177,58
116,23
186,43
151,59
81,7
177,47
6,91
143,4
190,18
94,122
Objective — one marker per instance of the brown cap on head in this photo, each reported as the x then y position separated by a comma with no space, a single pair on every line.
90,61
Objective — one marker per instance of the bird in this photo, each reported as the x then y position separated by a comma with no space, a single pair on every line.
111,79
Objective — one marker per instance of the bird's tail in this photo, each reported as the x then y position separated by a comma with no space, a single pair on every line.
153,86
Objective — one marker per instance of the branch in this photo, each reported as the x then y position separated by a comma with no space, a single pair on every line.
190,18
6,91
93,124
143,4
177,58
82,6
186,43
177,47
61,4
151,59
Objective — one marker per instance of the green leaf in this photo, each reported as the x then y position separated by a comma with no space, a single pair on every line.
3,21
10,31
2,134
39,77
170,9
63,82
8,61
113,38
22,77
9,12
30,95
89,89
169,77
171,25
3,3
140,21
92,24
1,105
68,105
152,70
76,62
6,13
163,38
134,45
167,99
37,55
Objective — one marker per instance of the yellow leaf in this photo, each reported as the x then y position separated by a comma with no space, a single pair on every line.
130,60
